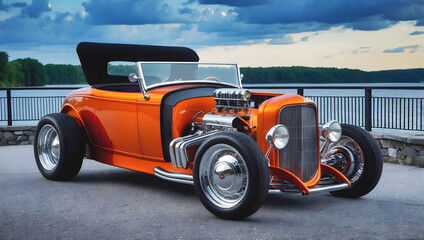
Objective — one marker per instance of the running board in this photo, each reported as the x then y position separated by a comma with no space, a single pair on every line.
173,177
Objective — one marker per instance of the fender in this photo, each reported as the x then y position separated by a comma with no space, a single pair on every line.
71,111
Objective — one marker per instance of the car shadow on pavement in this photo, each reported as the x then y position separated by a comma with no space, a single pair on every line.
131,178
295,201
142,182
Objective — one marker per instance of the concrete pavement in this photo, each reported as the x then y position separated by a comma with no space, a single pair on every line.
109,202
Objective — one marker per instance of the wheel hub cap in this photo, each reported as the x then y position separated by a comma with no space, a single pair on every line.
223,175
226,175
48,146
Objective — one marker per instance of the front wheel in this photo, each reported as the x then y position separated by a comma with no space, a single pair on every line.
358,157
231,175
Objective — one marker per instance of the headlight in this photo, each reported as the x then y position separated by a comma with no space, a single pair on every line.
332,131
278,136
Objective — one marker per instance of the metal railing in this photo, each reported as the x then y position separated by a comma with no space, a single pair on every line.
404,113
29,108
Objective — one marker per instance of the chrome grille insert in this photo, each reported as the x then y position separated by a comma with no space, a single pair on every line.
300,156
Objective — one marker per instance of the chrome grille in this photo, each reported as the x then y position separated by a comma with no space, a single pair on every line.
300,156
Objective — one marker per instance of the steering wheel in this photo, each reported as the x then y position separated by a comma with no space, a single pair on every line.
212,78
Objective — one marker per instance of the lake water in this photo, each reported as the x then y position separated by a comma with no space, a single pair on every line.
353,92
307,92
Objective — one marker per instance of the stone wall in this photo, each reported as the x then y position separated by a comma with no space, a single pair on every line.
16,135
401,148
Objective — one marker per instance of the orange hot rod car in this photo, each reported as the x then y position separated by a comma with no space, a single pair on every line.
193,123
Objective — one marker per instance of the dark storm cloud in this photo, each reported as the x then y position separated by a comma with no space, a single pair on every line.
370,25
287,16
356,14
4,7
353,13
45,30
420,23
19,4
211,22
133,12
36,9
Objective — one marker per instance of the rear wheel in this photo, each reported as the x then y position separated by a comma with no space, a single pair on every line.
58,147
231,175
358,157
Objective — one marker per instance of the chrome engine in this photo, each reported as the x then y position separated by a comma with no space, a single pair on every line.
235,99
210,125
228,100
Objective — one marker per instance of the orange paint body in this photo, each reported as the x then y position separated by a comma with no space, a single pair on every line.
124,130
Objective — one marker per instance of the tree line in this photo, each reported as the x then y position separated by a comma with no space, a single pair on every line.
329,75
30,72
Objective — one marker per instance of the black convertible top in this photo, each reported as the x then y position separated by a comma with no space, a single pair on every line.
94,58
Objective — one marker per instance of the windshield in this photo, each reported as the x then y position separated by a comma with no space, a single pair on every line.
155,73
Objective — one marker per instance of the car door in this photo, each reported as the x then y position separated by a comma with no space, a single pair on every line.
117,128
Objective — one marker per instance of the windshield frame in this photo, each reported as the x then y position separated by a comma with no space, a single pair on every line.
140,75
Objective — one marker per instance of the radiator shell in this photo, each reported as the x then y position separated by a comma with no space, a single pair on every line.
300,156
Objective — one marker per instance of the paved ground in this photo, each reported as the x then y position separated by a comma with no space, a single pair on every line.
108,202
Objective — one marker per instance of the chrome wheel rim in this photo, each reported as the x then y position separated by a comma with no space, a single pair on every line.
48,146
348,158
223,176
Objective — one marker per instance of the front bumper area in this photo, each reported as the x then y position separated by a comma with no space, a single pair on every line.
281,179
286,181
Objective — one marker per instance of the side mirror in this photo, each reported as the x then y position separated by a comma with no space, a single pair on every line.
133,77
241,77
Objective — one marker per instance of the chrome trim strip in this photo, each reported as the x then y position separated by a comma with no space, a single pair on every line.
189,82
141,81
239,76
173,177
145,88
328,188
200,63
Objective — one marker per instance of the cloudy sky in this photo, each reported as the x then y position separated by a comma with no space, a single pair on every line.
360,34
